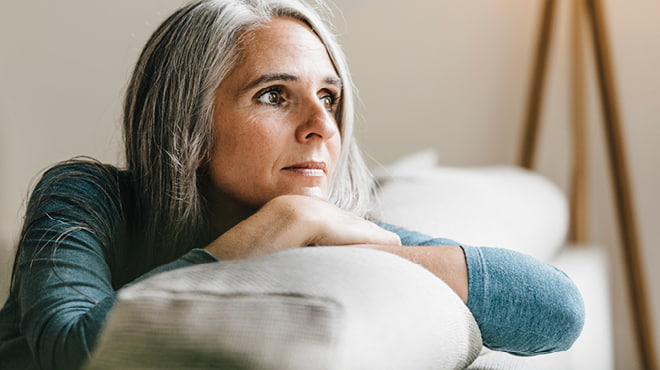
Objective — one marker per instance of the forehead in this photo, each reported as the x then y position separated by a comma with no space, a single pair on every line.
281,41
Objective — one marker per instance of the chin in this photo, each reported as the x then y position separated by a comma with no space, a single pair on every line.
313,192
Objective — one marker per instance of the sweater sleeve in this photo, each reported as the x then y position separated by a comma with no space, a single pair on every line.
522,306
63,281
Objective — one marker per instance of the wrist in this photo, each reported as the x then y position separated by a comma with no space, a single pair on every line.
295,219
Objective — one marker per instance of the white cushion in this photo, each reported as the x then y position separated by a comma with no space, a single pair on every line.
498,206
307,308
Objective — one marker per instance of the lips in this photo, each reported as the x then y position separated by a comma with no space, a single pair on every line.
309,168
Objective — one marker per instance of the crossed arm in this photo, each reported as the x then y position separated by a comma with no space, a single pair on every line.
297,221
522,306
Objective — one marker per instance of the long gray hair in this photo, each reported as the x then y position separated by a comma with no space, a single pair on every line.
168,124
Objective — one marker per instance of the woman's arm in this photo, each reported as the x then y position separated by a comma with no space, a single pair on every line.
63,289
62,279
522,306
293,221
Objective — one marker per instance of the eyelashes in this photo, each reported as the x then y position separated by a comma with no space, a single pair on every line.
275,96
330,102
271,96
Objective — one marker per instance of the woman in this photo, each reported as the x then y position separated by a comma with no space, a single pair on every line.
238,132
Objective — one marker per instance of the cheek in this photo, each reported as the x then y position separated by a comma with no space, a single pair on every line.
334,146
334,149
244,149
226,155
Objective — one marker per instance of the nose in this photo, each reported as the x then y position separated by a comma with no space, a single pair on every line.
316,123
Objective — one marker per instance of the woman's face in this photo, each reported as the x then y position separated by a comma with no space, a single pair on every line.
275,128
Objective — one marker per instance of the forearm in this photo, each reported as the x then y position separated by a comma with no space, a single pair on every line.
447,263
294,221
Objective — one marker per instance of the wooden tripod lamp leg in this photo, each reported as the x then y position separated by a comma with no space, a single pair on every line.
530,131
624,204
578,193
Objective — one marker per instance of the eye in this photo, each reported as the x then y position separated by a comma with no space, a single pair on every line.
330,102
271,96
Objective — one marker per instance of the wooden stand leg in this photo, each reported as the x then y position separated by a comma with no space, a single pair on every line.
624,203
530,132
578,193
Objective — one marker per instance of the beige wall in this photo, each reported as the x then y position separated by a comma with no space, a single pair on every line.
451,75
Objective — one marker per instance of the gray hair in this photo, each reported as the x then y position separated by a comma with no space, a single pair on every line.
168,124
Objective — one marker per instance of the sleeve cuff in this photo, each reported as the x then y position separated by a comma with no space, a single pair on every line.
476,279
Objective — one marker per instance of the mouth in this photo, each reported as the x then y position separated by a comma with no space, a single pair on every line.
310,168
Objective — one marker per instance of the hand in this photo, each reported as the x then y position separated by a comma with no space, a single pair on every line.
328,225
292,221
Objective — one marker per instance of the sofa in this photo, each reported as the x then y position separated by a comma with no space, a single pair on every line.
353,308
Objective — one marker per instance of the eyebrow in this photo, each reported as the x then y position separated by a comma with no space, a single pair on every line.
277,76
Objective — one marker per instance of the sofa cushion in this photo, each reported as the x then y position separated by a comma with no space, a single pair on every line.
306,308
497,206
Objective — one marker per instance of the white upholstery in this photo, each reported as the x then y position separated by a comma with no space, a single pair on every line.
497,206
